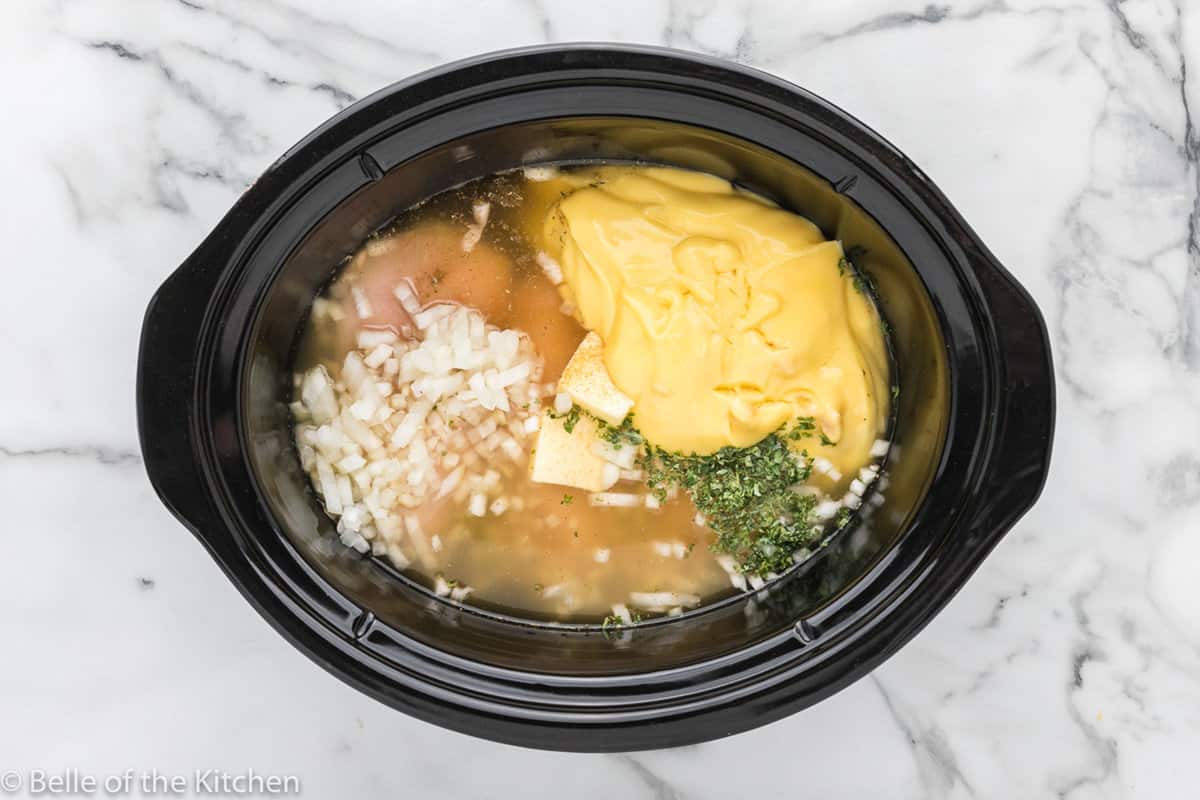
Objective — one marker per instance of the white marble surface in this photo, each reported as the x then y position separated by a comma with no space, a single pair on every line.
1065,131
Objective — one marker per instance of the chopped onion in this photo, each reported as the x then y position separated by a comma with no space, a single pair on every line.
736,578
407,297
622,457
361,305
471,237
661,601
369,338
551,268
351,463
328,487
614,500
609,475
377,356
539,174
376,449
826,509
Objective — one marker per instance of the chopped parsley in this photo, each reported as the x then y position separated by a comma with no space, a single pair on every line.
847,263
570,418
619,435
747,496
801,428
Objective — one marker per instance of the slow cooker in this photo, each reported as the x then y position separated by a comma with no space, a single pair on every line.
973,427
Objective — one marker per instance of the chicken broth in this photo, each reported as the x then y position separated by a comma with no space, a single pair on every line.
459,411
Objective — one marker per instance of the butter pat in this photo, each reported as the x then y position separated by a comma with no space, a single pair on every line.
569,459
586,380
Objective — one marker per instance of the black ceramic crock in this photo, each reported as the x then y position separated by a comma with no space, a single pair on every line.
973,426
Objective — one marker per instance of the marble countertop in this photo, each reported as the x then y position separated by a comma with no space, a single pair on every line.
1064,130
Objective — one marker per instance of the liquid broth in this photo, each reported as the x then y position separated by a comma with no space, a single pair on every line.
539,560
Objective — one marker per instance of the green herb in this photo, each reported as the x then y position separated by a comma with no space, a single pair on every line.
570,418
747,496
843,516
802,428
848,262
611,621
895,393
619,435
567,499
825,440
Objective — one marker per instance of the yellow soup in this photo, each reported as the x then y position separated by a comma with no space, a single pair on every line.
723,317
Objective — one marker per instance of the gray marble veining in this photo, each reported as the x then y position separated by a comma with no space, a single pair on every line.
1066,132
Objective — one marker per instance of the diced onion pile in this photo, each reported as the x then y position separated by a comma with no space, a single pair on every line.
411,422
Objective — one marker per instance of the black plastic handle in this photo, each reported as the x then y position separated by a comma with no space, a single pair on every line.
1023,427
166,388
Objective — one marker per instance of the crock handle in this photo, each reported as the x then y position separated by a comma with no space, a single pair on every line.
166,380
1024,426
